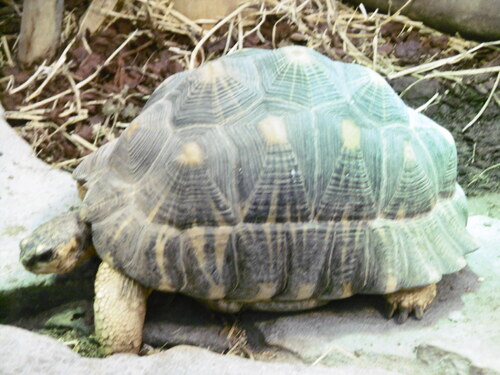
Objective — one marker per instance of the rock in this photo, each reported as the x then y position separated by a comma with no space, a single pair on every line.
26,353
444,362
70,318
487,205
30,193
476,19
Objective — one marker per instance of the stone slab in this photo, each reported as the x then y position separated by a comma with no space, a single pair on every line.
31,192
26,353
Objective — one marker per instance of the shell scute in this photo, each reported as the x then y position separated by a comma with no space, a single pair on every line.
278,175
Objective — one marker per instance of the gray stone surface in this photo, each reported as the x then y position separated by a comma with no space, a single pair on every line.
487,205
26,353
30,193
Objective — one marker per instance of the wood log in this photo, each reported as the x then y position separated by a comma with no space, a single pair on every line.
95,15
477,19
206,9
40,30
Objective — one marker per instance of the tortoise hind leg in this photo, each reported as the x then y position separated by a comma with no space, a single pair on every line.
411,300
119,311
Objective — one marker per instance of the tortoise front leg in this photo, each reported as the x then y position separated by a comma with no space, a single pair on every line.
409,300
119,311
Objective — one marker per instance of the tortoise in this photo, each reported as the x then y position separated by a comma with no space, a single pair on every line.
267,179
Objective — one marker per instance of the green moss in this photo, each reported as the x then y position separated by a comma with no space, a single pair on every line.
85,345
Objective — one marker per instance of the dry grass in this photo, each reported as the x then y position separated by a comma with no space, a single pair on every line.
333,28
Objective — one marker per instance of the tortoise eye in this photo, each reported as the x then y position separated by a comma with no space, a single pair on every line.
45,257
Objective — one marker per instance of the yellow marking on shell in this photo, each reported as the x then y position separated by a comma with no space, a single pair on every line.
132,128
221,239
391,283
265,291
425,249
409,152
211,71
414,228
122,226
82,190
401,214
274,130
346,246
216,291
297,55
273,205
154,211
347,210
223,305
164,234
191,154
305,291
197,238
346,290
217,214
84,212
351,135
357,234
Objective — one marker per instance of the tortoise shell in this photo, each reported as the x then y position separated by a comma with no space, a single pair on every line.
278,175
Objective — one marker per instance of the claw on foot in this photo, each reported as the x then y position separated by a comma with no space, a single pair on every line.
406,301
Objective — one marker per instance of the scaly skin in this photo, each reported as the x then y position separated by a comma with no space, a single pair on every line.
57,246
119,311
415,300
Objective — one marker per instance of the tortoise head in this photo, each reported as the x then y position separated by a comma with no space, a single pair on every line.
57,246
